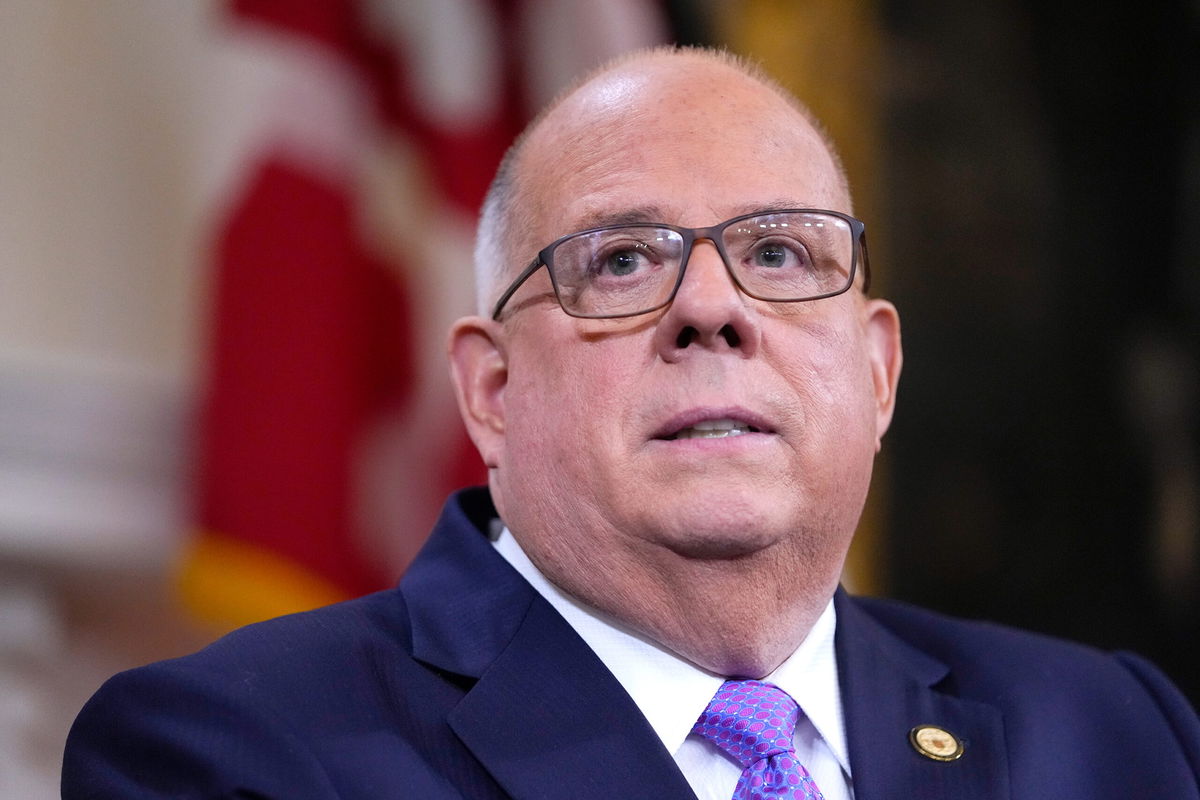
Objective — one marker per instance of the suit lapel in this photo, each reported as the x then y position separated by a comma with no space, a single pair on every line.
548,720
889,688
545,718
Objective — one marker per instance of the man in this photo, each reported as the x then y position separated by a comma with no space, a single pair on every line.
679,402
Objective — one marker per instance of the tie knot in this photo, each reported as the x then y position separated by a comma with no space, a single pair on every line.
750,720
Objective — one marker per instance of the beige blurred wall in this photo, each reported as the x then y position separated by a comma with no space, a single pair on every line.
106,172
100,227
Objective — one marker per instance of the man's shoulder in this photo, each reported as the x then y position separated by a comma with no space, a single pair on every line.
1027,670
351,661
280,660
1035,709
950,636
986,649
330,633
329,702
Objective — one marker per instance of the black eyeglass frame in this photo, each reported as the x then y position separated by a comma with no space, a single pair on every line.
713,233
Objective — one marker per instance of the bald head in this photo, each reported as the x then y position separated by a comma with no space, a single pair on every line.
602,120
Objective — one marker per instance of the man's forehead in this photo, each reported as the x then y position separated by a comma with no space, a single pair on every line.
670,138
696,179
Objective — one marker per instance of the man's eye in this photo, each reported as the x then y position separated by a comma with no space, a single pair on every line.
622,262
771,255
776,255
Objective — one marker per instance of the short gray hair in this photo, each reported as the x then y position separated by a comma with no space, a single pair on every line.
494,236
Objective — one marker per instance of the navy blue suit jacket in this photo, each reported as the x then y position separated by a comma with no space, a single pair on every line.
464,683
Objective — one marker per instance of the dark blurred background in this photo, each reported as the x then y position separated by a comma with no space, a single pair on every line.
1044,205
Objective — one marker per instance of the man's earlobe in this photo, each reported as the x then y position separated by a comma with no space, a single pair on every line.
479,371
883,342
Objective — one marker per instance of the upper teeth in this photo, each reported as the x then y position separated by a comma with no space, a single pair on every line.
714,429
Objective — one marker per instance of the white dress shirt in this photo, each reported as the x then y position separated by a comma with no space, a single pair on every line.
672,692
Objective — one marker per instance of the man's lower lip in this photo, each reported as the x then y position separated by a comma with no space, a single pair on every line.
711,432
740,438
714,434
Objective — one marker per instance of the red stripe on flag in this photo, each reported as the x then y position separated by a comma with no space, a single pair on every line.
298,307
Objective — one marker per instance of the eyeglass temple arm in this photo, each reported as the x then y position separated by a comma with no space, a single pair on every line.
866,264
516,284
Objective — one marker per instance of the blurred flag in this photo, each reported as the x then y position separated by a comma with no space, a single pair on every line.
369,130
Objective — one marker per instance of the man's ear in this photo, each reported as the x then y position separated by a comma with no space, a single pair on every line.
479,371
882,328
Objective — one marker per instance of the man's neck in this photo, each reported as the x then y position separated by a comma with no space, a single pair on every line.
738,617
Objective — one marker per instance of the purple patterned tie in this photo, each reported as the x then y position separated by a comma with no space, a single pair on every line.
754,722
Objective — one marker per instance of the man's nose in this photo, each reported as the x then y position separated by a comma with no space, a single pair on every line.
709,312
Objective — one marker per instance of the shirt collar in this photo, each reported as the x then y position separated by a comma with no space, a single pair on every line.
810,676
672,692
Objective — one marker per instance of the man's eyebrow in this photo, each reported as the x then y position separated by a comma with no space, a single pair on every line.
770,206
656,214
623,216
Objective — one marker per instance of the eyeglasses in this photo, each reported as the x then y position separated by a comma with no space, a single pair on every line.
787,256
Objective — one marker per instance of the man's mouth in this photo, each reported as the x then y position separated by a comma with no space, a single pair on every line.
713,429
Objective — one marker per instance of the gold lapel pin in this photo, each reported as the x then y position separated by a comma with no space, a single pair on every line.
936,743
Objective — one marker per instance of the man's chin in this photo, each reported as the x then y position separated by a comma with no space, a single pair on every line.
718,547
718,530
